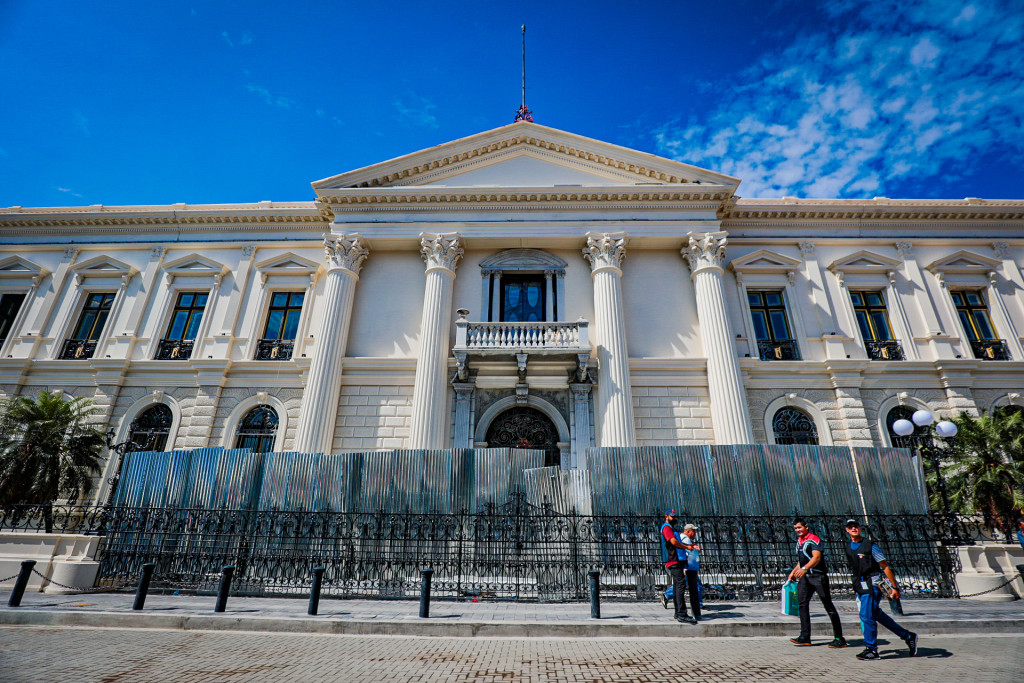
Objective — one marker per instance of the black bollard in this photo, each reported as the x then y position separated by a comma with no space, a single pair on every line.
425,593
314,592
225,588
595,593
21,583
143,589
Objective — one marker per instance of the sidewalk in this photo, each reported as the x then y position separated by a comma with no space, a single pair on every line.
496,619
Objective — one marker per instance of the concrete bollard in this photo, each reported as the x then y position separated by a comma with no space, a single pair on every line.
425,593
143,589
595,593
314,592
225,588
21,583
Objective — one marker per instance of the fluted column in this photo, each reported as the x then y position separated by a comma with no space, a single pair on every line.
315,432
614,397
729,415
429,394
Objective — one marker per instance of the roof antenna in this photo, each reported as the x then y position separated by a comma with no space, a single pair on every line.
524,114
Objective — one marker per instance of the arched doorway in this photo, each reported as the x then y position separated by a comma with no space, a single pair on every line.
794,426
525,427
149,431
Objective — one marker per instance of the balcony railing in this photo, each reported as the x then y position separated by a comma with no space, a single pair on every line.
175,349
885,350
78,349
274,349
991,349
779,349
538,336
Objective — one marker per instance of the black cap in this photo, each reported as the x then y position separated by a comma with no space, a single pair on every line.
852,522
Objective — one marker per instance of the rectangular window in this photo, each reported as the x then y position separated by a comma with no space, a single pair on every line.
187,315
973,312
522,298
283,316
771,326
10,304
872,316
94,316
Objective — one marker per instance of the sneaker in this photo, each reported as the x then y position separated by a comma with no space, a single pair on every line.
664,601
911,642
837,643
868,654
800,640
687,619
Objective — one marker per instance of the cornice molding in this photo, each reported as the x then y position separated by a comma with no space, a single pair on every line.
714,194
172,215
878,209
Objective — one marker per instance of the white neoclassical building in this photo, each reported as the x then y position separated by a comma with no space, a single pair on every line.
521,286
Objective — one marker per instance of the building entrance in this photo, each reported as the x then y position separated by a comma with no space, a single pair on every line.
524,427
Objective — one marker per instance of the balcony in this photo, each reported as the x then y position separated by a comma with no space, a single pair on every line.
885,350
77,349
779,349
274,349
522,340
991,349
175,349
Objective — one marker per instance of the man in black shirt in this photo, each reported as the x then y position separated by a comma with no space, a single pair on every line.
812,574
868,565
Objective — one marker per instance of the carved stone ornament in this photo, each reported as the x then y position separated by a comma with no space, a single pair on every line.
705,251
345,251
70,253
1002,249
157,252
806,248
905,249
441,251
605,250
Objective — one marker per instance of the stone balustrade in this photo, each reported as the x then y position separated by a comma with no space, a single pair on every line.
533,336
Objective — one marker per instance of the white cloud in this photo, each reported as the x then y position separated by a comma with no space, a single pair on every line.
415,110
271,99
69,191
861,108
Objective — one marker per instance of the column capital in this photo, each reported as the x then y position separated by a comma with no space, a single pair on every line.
442,250
345,252
605,250
705,250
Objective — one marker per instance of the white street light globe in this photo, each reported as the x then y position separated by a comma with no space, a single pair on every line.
922,418
902,427
946,429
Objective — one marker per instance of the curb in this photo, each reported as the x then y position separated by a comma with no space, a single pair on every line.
438,628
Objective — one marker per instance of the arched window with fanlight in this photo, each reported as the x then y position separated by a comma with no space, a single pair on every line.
794,426
901,413
150,430
257,430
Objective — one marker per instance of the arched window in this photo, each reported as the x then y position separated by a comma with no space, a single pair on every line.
524,427
1008,410
794,426
523,285
257,430
911,440
149,431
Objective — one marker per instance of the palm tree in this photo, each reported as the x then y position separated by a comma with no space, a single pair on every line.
50,447
984,466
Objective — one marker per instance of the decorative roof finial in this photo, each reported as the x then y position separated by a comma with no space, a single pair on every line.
524,114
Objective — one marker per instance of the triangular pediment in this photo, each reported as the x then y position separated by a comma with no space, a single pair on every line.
525,154
964,262
195,265
864,262
289,264
16,266
103,266
522,260
764,261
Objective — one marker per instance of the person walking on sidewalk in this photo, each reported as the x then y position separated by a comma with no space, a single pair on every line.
670,545
811,573
868,566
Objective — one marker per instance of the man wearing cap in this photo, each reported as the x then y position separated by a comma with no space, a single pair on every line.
670,546
811,573
689,541
868,565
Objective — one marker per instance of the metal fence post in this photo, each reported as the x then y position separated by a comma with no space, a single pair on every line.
21,583
225,588
143,589
314,592
595,593
425,593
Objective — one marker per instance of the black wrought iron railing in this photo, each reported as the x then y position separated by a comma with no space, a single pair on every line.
514,551
77,349
779,349
885,350
175,349
274,349
991,349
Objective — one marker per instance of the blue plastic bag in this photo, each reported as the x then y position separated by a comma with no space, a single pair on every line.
790,604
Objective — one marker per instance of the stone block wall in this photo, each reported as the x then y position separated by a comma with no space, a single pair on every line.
372,417
672,416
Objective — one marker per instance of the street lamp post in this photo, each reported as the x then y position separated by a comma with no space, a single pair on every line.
926,447
127,446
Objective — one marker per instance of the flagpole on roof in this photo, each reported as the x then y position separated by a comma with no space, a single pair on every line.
524,114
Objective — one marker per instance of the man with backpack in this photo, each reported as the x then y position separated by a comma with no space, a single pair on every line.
670,545
811,573
872,576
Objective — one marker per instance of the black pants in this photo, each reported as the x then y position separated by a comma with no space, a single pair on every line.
691,583
678,574
807,586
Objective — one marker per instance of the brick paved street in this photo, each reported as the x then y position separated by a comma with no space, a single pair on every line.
87,655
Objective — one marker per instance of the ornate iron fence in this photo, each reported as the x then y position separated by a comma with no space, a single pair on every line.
515,551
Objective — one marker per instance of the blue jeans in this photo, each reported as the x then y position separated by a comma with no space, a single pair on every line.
872,615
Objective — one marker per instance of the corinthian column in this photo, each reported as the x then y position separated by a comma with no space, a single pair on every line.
614,398
729,415
430,392
345,255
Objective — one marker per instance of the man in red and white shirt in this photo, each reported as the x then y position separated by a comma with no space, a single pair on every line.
670,545
811,573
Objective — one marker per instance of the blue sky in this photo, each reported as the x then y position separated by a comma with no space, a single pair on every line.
209,102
